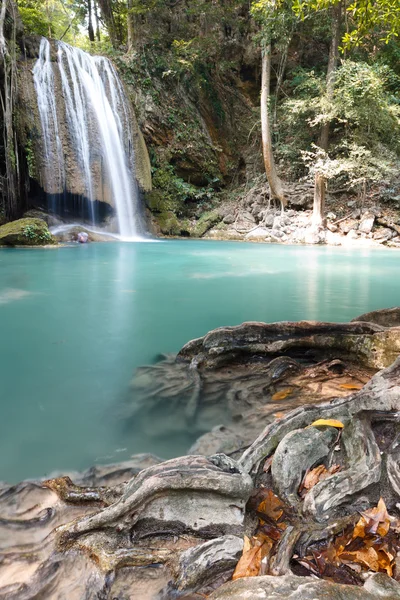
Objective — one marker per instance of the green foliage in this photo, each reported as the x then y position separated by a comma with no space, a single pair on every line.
380,16
175,191
30,158
36,234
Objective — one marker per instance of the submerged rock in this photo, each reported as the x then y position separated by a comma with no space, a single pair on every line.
26,232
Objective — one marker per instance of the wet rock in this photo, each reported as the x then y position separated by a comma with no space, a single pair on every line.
367,223
83,237
206,222
26,232
387,317
306,588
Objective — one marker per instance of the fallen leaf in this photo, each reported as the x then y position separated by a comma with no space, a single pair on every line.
352,386
279,415
327,423
271,506
367,557
314,476
377,520
282,394
255,552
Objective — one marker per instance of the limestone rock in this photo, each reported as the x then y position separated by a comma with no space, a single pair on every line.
26,232
259,233
367,223
269,220
347,225
387,317
352,235
291,587
229,219
383,234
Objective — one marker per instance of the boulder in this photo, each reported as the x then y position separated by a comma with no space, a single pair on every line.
383,234
229,219
269,220
352,235
206,222
26,232
314,237
259,233
347,225
367,223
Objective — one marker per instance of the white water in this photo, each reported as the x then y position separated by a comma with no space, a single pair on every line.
96,109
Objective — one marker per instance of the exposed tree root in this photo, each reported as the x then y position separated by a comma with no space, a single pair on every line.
189,514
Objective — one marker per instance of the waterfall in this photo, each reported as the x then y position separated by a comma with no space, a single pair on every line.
87,138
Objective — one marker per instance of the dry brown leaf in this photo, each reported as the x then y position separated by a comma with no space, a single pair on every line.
373,521
255,551
327,423
311,478
271,506
282,394
366,556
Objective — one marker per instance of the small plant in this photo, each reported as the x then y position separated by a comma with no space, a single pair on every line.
35,234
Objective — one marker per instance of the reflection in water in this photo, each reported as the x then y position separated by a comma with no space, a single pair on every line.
78,320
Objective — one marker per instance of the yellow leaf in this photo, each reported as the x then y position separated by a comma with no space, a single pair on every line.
282,394
327,423
351,386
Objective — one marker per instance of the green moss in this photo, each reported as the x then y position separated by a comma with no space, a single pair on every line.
205,223
26,232
169,223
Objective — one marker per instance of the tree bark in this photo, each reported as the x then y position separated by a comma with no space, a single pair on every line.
96,16
131,26
90,22
108,15
274,181
320,181
3,48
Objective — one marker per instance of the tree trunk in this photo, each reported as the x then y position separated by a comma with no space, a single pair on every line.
275,183
90,22
96,16
318,218
108,15
320,181
3,48
131,26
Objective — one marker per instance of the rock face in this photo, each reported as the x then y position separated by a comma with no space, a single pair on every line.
26,232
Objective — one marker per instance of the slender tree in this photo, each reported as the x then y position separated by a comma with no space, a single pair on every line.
274,181
318,219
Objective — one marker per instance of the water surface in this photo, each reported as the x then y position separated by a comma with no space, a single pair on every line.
76,321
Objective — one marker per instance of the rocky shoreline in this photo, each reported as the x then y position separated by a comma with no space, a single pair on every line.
147,529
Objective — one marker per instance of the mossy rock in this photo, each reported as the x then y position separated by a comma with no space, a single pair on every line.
155,201
170,224
26,232
205,223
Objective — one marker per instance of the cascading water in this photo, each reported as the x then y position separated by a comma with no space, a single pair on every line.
90,141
